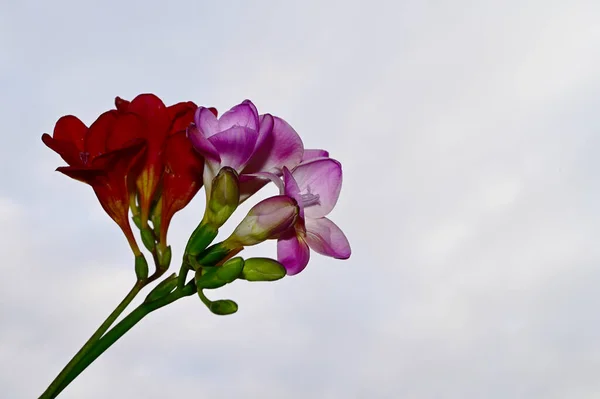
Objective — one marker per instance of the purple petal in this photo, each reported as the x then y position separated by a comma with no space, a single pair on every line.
235,146
277,147
320,182
292,190
206,121
202,144
313,154
243,114
325,237
293,253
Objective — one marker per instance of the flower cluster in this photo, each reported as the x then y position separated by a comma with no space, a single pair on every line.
149,160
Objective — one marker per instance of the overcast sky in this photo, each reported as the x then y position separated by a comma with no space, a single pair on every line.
469,135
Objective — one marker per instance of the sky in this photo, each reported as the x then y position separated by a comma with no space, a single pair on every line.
468,134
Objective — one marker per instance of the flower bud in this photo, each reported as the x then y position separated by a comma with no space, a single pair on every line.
141,267
266,220
165,287
216,277
223,307
224,197
262,269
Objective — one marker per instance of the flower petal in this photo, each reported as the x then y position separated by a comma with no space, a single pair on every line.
182,178
278,146
292,190
243,114
313,154
322,177
235,146
202,144
325,237
181,115
206,121
72,129
67,150
98,135
293,253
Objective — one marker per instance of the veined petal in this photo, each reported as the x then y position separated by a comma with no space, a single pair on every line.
235,146
202,144
243,114
320,177
313,154
278,145
206,121
293,253
325,237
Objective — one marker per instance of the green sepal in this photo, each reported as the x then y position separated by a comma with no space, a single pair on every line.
224,197
262,269
215,277
223,307
165,287
148,239
141,267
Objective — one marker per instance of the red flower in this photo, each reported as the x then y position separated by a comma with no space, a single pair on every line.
138,149
147,117
110,173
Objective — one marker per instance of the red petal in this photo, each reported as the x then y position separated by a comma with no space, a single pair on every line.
65,149
69,128
122,105
181,180
181,115
98,133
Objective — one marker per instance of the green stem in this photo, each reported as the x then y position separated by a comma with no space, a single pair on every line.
119,330
55,384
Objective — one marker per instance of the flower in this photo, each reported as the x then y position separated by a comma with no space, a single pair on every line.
245,141
147,117
111,173
315,184
138,149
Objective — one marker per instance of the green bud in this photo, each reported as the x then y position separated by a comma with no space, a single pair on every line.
165,287
137,221
224,197
200,239
141,267
262,269
223,307
164,257
215,277
148,238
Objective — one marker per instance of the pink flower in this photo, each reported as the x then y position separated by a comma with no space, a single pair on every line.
315,184
245,141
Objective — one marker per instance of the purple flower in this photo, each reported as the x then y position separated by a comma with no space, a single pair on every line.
250,143
315,184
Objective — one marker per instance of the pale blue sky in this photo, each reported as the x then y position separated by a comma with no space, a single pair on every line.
469,137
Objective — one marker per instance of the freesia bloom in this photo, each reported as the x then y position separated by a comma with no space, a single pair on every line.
111,173
245,141
138,150
147,117
315,184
